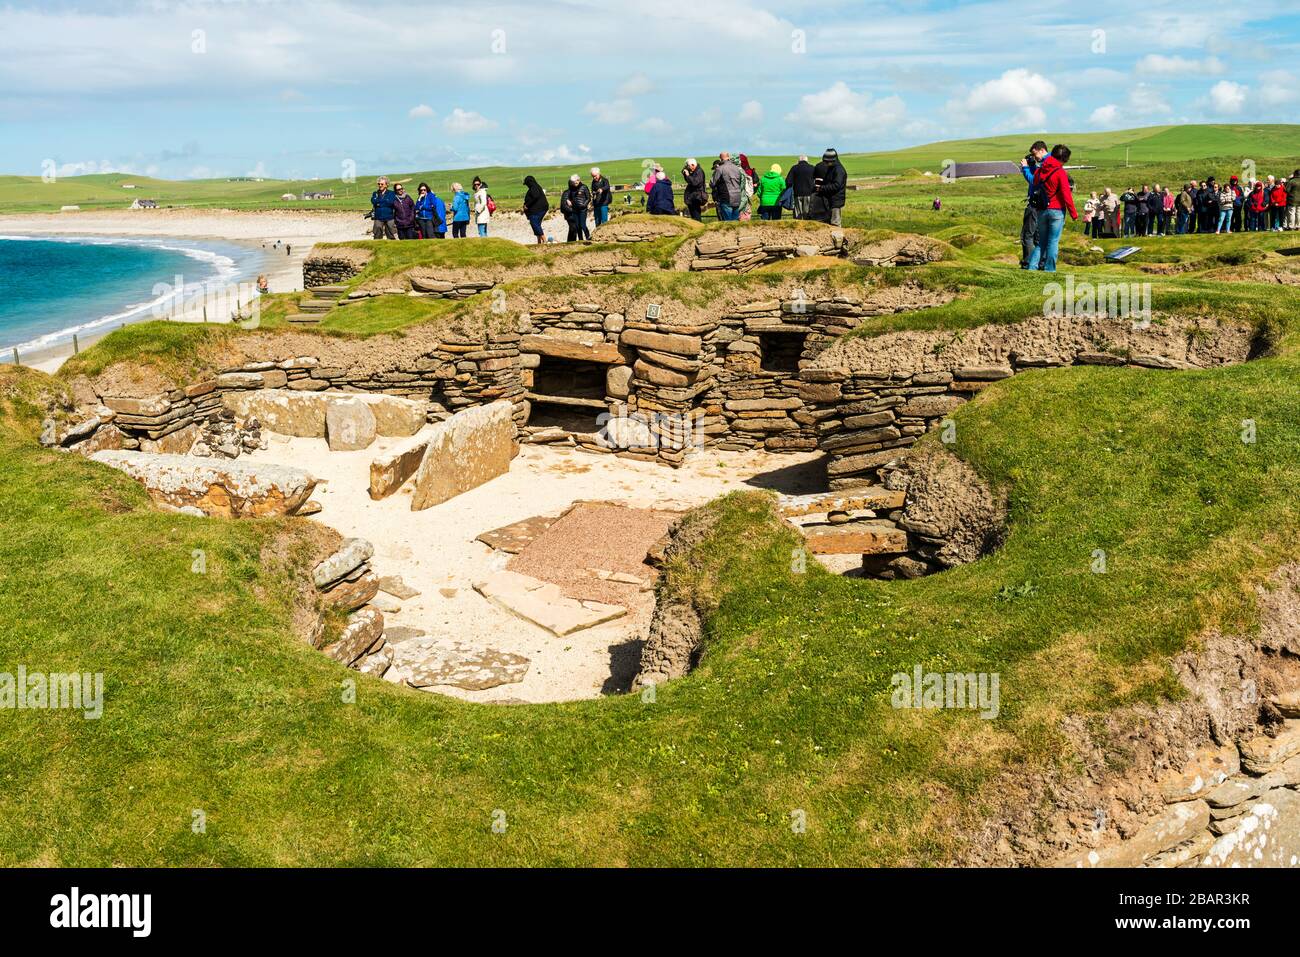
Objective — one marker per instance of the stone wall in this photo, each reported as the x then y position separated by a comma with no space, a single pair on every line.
874,397
329,266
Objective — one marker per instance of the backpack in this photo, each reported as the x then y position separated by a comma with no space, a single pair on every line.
491,204
1038,193
787,198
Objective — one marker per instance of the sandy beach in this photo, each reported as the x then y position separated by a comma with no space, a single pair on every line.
295,231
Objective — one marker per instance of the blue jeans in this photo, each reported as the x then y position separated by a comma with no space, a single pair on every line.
1047,240
728,213
1225,221
602,215
482,229
535,220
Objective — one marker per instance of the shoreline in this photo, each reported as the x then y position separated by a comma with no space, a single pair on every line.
255,231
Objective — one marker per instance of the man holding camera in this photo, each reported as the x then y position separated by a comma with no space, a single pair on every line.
1029,223
383,210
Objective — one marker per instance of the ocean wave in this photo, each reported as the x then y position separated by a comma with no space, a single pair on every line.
223,269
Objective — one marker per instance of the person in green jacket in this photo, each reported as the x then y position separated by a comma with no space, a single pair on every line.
770,187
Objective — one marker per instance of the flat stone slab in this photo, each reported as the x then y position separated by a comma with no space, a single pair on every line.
294,412
874,497
517,536
390,470
430,662
471,447
393,585
856,539
545,604
1268,835
226,488
351,555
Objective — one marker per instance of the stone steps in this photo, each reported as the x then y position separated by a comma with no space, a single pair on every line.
856,538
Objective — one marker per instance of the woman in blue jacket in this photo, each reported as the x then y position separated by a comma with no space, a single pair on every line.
459,211
431,213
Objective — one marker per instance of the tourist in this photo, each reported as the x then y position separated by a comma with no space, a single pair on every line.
1278,206
535,207
1155,206
800,181
1227,198
1238,202
1142,211
1129,201
660,200
695,196
1256,207
1293,201
649,183
1208,206
727,188
1029,221
430,213
601,194
1185,205
459,211
832,181
263,284
1110,204
936,205
483,206
404,214
1166,210
382,201
770,187
1090,207
749,187
1053,186
574,203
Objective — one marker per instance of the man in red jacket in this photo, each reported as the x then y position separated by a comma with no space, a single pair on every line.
1052,196
1279,206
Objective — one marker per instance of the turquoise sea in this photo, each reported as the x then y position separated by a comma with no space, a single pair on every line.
54,286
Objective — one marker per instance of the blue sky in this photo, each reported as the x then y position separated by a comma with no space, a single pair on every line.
293,89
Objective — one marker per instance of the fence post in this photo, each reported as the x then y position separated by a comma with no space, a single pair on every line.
76,346
16,357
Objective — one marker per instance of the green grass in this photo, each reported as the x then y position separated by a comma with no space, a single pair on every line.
211,703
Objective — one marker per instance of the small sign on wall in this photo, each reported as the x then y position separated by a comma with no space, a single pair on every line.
652,311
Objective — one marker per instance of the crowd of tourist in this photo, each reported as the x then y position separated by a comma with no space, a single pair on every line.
736,190
1254,205
1271,204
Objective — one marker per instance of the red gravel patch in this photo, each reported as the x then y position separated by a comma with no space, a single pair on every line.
593,535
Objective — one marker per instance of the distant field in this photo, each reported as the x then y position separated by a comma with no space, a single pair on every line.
1179,150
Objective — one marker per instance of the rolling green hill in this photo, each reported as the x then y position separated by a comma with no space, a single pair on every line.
1228,145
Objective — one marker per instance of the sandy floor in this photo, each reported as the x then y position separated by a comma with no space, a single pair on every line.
434,550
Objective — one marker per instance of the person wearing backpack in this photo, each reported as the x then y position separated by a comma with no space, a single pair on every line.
659,202
800,181
459,211
483,206
833,180
1029,221
770,187
1053,197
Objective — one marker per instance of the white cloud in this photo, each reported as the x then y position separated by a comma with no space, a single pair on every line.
1147,100
1013,90
838,109
1107,115
638,84
1278,87
1034,117
751,111
467,121
1158,64
614,112
423,111
1228,97
656,125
